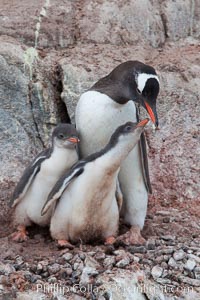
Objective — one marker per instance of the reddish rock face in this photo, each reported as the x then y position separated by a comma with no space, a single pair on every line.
64,22
77,42
54,20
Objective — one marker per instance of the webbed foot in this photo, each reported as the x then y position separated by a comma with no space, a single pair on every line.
110,240
65,244
20,235
132,237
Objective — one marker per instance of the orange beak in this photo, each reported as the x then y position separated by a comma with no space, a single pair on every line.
150,112
73,140
142,123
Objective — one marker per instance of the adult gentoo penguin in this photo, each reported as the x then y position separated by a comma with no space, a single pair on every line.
100,110
39,178
86,201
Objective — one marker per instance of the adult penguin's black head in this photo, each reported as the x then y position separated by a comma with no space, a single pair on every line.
132,80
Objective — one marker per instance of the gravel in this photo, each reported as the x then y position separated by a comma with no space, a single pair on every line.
166,262
67,256
190,264
156,272
179,255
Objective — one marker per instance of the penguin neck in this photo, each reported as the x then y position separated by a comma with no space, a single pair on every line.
62,154
114,155
117,91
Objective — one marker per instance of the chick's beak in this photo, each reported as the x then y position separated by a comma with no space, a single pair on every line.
142,123
152,113
73,140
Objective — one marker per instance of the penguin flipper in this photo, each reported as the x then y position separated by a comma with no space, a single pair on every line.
60,187
28,177
144,157
145,166
119,195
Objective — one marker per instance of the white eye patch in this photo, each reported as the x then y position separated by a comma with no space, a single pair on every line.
142,79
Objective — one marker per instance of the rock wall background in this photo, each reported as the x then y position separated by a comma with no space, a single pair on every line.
51,51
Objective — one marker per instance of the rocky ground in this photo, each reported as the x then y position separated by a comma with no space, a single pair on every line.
167,267
50,52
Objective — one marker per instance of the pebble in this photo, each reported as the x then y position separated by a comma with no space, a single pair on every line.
197,269
123,262
164,265
19,260
196,258
120,252
39,267
136,259
172,263
4,279
158,242
1,287
76,274
189,281
69,271
75,266
135,249
91,253
6,269
100,255
166,220
190,264
91,262
166,257
82,256
163,213
42,266
189,251
67,256
157,271
151,245
45,274
159,259
163,281
86,275
31,295
168,250
75,258
109,262
53,268
165,273
179,255
168,237
59,296
147,261
52,279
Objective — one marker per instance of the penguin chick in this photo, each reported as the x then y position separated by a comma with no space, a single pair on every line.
39,178
86,206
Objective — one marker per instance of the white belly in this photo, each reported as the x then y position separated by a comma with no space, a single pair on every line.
29,208
87,209
97,117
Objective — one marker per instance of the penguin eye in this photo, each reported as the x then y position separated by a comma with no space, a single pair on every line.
61,135
128,128
138,91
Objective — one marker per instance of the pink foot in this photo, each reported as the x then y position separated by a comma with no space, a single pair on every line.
20,235
65,244
132,237
110,240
